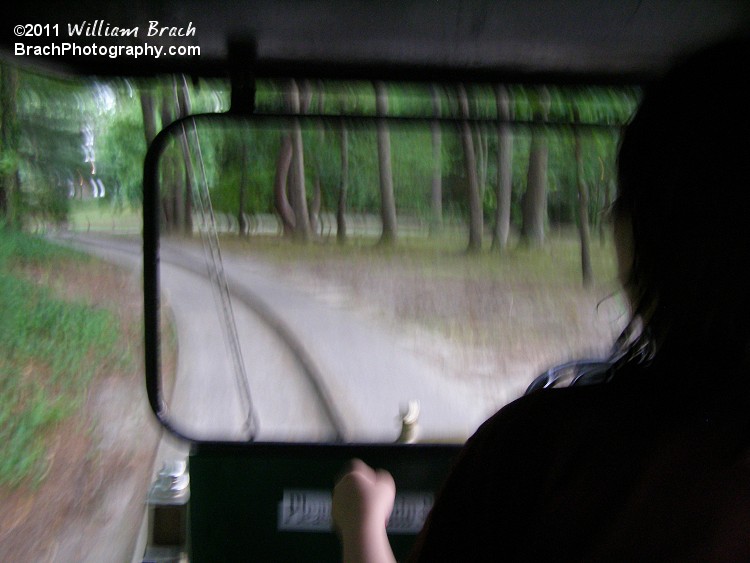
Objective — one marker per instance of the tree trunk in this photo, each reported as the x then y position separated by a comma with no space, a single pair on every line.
149,115
504,169
387,200
316,200
482,144
534,209
297,194
436,192
281,202
609,188
583,210
185,198
9,182
476,221
344,185
148,109
242,226
286,185
535,199
169,168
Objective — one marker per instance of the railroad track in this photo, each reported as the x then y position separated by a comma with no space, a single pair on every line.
345,382
290,397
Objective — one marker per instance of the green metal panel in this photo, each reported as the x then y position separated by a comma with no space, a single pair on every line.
244,496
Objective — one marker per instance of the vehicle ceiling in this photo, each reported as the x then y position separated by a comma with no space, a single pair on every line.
582,40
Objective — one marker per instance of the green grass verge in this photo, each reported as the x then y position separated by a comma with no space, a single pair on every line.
99,215
557,262
49,350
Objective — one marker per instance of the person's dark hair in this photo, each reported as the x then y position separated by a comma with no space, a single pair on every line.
684,182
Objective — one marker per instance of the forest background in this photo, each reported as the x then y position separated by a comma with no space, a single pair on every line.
501,163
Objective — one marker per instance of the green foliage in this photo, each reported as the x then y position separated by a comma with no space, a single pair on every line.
120,143
100,215
444,257
52,117
226,151
411,150
120,138
8,162
56,116
48,350
412,169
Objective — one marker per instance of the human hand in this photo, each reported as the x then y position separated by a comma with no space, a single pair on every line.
363,499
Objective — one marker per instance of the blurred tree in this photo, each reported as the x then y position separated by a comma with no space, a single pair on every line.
243,227
428,172
436,191
289,186
171,180
56,157
298,101
346,101
476,217
149,114
9,178
583,205
184,199
320,154
281,201
343,184
387,200
534,209
504,168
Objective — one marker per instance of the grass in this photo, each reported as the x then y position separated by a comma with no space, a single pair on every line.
523,303
49,351
445,256
100,216
496,317
442,259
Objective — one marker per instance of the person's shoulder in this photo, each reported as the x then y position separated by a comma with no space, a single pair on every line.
548,408
529,430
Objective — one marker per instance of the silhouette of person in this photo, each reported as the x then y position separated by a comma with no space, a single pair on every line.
654,463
